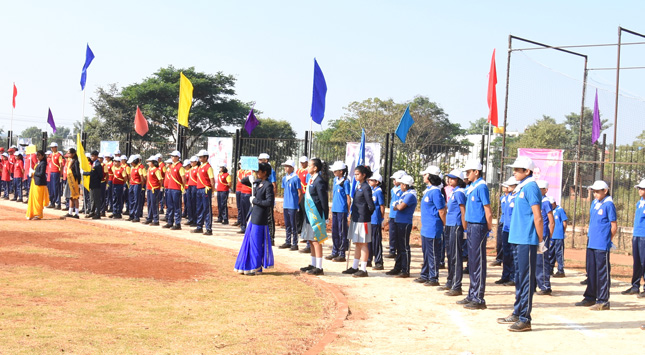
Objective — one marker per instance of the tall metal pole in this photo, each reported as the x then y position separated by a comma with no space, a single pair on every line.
613,155
508,75
386,163
576,179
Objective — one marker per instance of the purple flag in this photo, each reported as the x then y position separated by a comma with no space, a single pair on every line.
50,120
595,131
251,122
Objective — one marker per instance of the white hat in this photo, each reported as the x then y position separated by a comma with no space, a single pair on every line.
406,179
186,162
131,159
550,199
48,152
222,165
377,177
303,159
5,155
599,185
194,158
290,163
473,164
432,170
108,155
101,155
123,157
543,184
338,165
152,158
202,153
53,144
168,161
523,163
87,155
641,185
510,182
175,153
117,152
398,174
16,153
264,156
457,174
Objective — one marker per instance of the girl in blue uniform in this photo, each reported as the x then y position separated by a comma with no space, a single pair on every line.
544,267
404,207
454,232
316,214
556,251
508,265
395,195
360,227
433,218
638,245
602,228
376,245
339,211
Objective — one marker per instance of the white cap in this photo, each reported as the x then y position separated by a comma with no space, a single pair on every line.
186,162
338,165
550,199
175,153
101,155
303,159
641,185
406,179
123,157
5,155
131,159
152,158
87,155
290,163
54,144
510,182
523,163
432,170
457,174
117,152
473,164
398,174
202,153
264,156
48,152
599,185
194,158
16,153
543,184
377,177
222,165
168,161
108,155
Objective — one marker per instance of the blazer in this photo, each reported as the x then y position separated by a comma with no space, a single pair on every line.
263,201
319,193
363,205
96,175
40,173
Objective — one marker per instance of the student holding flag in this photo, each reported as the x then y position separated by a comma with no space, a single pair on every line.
317,211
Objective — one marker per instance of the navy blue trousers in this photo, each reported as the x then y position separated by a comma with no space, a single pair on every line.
103,196
173,205
26,184
117,200
376,245
153,205
544,267
508,264
222,206
126,198
525,258
442,250
430,248
136,202
109,196
556,254
17,188
598,276
245,208
205,209
5,188
477,261
392,235
238,197
403,255
291,226
191,203
499,243
638,252
454,246
56,191
340,244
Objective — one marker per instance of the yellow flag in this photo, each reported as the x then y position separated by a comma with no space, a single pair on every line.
185,99
82,160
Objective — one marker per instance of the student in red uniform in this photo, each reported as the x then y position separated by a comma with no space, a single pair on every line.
191,192
18,172
245,199
6,175
205,184
137,178
109,167
163,167
56,159
119,178
223,187
153,187
176,177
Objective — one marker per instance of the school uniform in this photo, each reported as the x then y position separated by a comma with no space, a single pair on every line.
136,201
104,181
6,177
96,195
223,187
601,214
477,196
339,211
543,271
245,199
56,159
508,263
403,222
118,181
153,190
360,227
395,195
110,186
523,236
191,194
126,189
556,250
317,189
18,172
291,187
638,246
499,244
431,229
376,245
174,191
163,198
205,197
454,233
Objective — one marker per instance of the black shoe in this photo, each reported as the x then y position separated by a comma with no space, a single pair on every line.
316,272
330,256
225,222
641,295
146,222
454,292
102,213
96,217
154,224
559,274
197,230
360,273
136,220
285,246
431,283
600,307
67,215
585,303
294,247
350,271
218,221
474,305
443,288
241,232
520,327
378,266
163,219
420,280
188,223
51,205
630,291
208,233
544,292
176,227
465,271
167,225
89,215
403,275
307,268
184,216
495,263
111,216
442,266
583,282
501,282
117,217
235,224
306,250
126,213
390,256
509,283
508,320
369,264
464,301
393,272
192,224
339,259
75,216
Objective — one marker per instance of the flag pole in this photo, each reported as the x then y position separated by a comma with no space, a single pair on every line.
488,150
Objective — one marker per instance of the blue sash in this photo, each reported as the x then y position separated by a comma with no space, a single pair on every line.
318,224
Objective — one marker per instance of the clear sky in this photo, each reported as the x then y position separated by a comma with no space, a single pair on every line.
385,49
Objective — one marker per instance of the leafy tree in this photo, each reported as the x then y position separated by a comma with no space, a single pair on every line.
480,125
544,133
572,120
33,132
61,134
93,127
270,128
640,140
279,139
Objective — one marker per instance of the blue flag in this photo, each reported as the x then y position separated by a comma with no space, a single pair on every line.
360,160
320,91
404,125
89,57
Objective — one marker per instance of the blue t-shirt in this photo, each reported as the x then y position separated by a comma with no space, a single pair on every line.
522,224
639,219
410,199
458,197
291,185
601,214
546,208
395,195
507,212
502,205
431,203
379,200
559,216
478,197
339,196
272,178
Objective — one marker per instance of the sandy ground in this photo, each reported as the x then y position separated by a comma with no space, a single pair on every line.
397,316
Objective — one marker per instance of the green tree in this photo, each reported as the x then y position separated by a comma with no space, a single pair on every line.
480,125
270,128
544,133
277,138
93,127
572,120
640,140
33,132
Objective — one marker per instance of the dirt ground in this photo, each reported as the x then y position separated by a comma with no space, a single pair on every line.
397,316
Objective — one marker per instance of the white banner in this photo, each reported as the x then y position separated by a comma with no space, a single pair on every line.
372,156
220,152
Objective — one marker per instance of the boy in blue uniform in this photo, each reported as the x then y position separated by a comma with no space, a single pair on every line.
405,207
292,194
544,267
433,218
376,245
556,251
508,265
638,245
454,232
602,229
395,195
341,201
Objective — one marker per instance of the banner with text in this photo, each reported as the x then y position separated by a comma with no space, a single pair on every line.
220,152
548,166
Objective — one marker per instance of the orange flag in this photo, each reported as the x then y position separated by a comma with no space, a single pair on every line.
140,123
492,93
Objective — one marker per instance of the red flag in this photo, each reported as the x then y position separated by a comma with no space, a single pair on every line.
15,93
492,93
140,123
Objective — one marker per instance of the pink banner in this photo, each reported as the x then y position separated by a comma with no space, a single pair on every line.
548,166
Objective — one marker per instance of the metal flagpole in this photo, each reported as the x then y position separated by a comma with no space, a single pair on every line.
488,151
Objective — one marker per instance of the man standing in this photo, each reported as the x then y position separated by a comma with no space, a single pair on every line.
96,195
205,184
176,177
56,159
